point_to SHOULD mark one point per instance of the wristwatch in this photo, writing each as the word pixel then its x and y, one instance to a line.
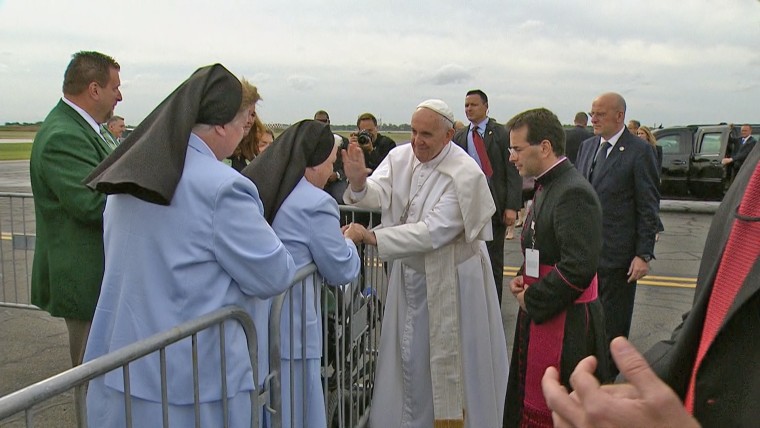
pixel 646 257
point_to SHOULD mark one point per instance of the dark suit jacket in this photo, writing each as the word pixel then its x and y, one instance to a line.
pixel 382 146
pixel 743 151
pixel 506 183
pixel 728 381
pixel 68 258
pixel 658 150
pixel 627 186
pixel 573 139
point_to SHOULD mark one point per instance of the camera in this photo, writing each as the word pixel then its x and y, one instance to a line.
pixel 364 137
pixel 344 144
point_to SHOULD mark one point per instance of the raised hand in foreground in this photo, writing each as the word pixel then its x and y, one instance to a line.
pixel 646 401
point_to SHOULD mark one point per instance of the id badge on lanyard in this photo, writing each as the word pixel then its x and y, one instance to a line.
pixel 531 254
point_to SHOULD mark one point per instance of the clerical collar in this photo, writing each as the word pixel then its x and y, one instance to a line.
pixel 559 161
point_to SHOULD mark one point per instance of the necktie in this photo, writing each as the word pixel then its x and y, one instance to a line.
pixel 480 148
pixel 107 138
pixel 599 158
pixel 742 251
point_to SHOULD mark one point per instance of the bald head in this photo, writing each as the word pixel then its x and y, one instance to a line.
pixel 608 114
pixel 614 99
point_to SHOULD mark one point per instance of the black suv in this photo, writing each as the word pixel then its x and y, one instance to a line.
pixel 691 159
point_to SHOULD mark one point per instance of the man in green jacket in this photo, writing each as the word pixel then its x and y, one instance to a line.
pixel 68 258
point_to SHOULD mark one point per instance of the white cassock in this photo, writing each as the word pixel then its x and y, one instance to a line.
pixel 428 207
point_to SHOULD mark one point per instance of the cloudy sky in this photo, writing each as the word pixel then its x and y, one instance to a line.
pixel 675 61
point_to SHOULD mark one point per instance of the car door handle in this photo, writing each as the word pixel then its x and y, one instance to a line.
pixel 678 162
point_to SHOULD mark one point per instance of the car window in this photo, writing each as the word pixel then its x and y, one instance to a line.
pixel 669 143
pixel 710 143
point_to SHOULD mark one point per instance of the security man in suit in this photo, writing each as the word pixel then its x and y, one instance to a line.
pixel 622 168
pixel 742 149
pixel 488 143
pixel 576 135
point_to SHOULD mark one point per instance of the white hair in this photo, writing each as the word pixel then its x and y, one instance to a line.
pixel 445 122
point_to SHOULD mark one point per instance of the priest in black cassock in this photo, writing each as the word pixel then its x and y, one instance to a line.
pixel 560 319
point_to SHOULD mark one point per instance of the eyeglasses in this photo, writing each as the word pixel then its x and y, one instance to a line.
pixel 514 150
pixel 517 150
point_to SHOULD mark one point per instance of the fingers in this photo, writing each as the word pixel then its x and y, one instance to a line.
pixel 633 366
pixel 566 412
pixel 621 390
pixel 638 269
pixel 516 286
pixel 357 233
pixel 583 380
pixel 631 268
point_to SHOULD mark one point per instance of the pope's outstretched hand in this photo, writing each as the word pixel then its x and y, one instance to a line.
pixel 354 167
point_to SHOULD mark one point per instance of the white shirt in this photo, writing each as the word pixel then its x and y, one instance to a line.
pixel 613 140
pixel 86 116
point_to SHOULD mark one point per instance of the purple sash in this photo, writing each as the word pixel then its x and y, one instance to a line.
pixel 544 350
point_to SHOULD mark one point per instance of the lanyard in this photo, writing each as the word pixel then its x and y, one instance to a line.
pixel 533 213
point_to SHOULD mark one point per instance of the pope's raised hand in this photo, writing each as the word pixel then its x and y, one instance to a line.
pixel 354 167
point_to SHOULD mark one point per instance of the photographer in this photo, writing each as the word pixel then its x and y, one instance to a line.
pixel 375 145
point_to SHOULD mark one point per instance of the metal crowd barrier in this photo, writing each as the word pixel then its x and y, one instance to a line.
pixel 351 316
pixel 17 237
pixel 76 378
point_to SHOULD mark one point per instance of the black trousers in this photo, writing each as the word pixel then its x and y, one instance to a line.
pixel 617 296
pixel 496 253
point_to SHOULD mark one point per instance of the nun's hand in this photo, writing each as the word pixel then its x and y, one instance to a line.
pixel 355 232
pixel 354 167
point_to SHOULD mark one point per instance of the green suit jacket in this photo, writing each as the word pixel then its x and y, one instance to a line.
pixel 68 257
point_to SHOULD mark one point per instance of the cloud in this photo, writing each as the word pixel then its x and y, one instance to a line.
pixel 449 74
pixel 302 82
pixel 675 62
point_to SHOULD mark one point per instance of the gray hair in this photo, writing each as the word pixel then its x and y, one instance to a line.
pixel 114 118
pixel 445 122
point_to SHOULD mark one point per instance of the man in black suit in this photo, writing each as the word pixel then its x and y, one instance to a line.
pixel 723 391
pixel 503 179
pixel 741 150
pixel 576 135
pixel 622 168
